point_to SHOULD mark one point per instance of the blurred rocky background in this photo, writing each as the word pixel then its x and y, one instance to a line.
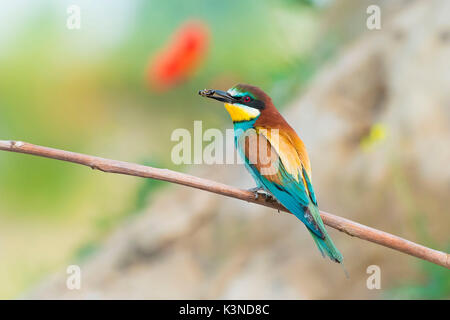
pixel 373 107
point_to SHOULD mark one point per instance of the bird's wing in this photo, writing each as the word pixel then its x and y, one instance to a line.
pixel 293 155
pixel 275 162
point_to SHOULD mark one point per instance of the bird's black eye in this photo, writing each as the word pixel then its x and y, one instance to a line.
pixel 247 99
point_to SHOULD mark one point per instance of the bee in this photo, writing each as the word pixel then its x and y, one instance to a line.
pixel 206 92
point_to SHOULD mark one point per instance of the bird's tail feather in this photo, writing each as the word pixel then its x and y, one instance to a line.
pixel 327 247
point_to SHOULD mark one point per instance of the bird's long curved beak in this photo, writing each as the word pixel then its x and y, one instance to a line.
pixel 218 95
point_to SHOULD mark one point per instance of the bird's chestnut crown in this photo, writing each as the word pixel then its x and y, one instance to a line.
pixel 246 95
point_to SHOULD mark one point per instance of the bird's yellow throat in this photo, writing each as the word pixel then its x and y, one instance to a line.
pixel 239 112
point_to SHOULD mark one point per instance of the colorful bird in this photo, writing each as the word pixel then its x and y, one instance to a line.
pixel 275 156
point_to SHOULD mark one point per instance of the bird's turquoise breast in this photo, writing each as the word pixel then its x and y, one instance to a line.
pixel 241 129
pixel 243 126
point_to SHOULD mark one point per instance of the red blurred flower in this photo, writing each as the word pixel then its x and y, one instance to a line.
pixel 178 60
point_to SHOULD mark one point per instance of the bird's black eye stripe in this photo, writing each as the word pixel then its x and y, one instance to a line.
pixel 249 101
pixel 257 104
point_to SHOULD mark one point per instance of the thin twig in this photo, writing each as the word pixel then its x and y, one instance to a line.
pixel 113 166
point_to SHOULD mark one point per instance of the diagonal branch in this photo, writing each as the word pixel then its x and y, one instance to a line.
pixel 113 166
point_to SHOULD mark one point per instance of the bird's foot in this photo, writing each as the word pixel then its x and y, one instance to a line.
pixel 257 191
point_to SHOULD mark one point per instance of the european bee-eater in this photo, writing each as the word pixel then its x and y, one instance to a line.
pixel 275 156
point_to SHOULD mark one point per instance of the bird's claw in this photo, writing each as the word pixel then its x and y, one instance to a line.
pixel 257 191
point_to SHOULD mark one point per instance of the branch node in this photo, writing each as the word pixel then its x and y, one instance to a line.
pixel 16 144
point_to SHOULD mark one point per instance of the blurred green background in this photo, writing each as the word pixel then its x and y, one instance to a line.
pixel 86 91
